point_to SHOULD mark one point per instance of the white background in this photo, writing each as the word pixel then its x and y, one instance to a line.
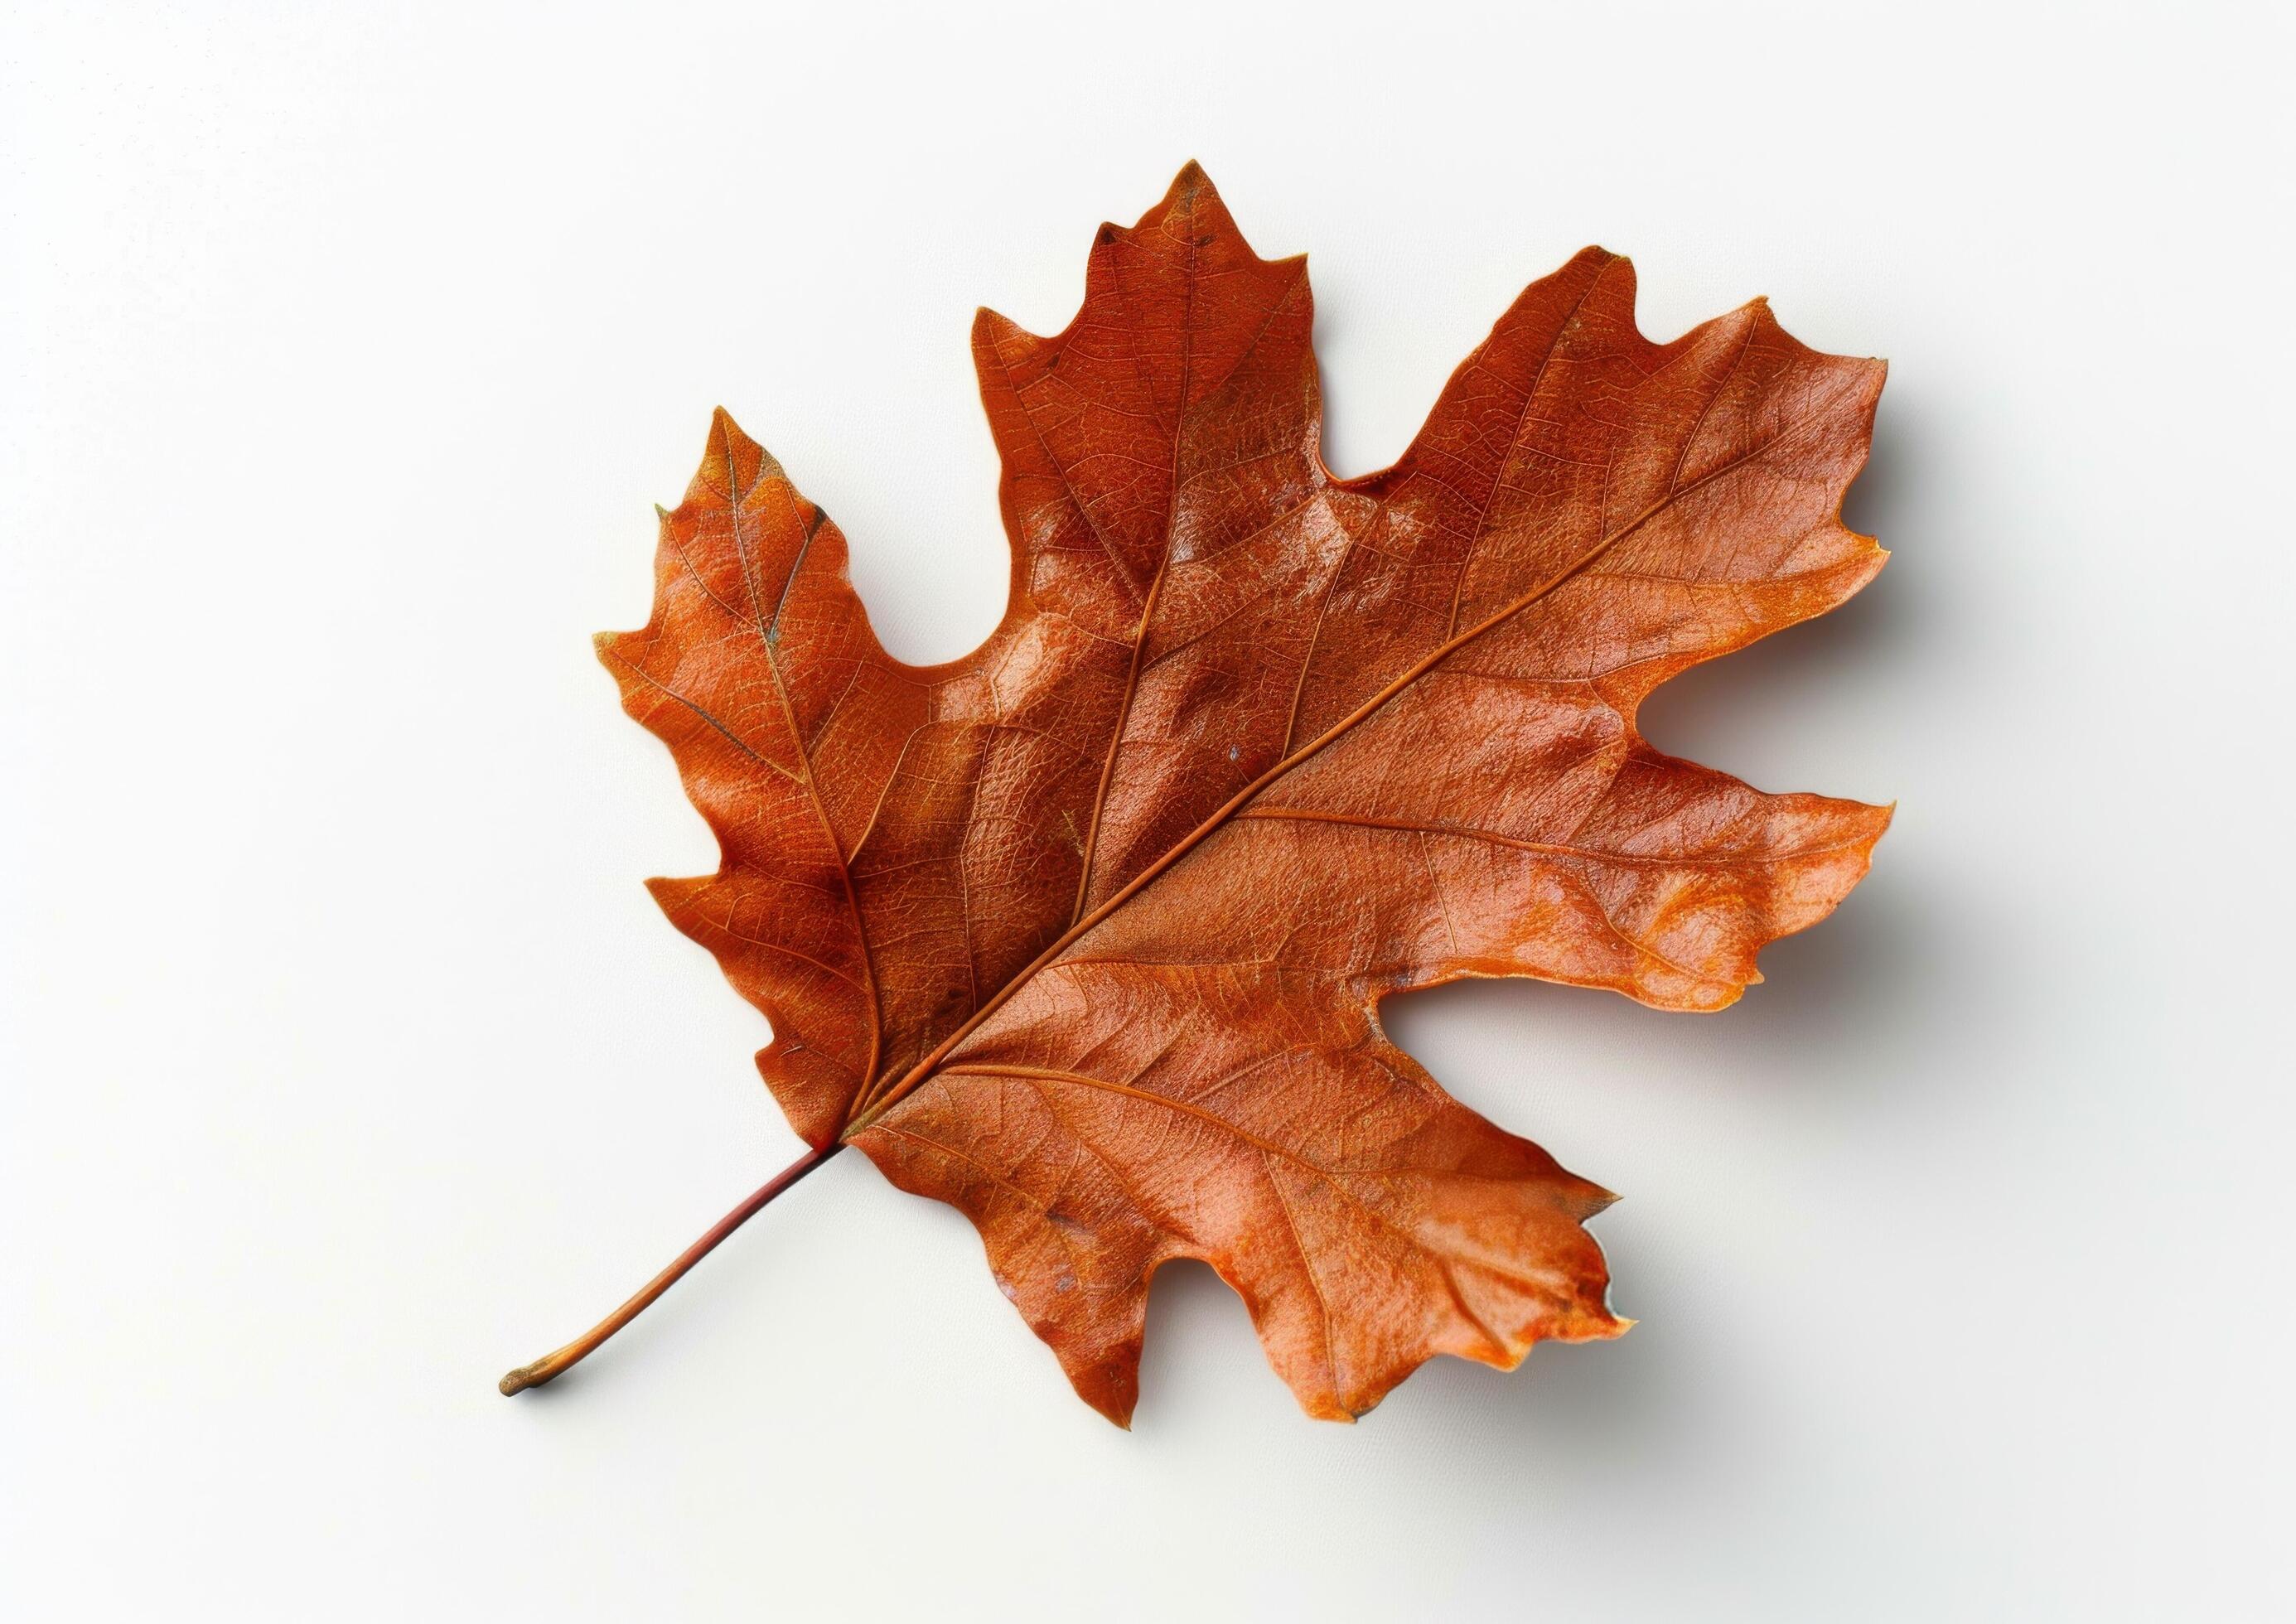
pixel 347 1063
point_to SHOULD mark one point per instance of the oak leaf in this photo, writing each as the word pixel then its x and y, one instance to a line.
pixel 1086 933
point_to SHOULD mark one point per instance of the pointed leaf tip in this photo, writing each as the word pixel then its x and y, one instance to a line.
pixel 1191 192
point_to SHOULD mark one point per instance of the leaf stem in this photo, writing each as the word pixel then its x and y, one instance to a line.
pixel 552 1366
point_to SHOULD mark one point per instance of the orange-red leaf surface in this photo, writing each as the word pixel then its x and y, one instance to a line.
pixel 1086 933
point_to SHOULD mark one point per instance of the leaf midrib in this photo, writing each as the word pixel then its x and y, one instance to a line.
pixel 932 1061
